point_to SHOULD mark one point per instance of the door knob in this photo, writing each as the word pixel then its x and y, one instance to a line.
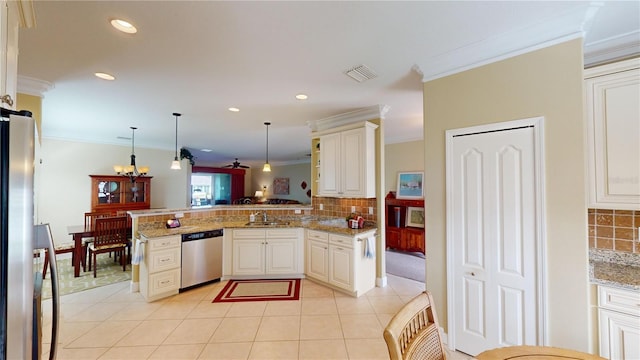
pixel 6 99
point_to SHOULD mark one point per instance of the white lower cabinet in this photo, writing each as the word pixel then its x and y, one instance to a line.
pixel 339 261
pixel 275 252
pixel 160 268
pixel 619 323
pixel 317 255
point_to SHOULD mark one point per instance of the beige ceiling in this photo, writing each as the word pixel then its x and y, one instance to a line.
pixel 201 57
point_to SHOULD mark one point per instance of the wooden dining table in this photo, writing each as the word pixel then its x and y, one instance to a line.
pixel 78 232
pixel 535 353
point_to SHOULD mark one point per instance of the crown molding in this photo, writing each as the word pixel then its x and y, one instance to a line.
pixel 618 66
pixel 27 14
pixel 364 114
pixel 32 86
pixel 613 48
pixel 547 32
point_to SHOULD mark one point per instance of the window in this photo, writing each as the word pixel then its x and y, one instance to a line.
pixel 210 189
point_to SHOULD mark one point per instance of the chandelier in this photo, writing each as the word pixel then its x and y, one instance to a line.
pixel 131 171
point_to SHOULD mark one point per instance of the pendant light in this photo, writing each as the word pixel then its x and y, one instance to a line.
pixel 131 171
pixel 175 164
pixel 267 167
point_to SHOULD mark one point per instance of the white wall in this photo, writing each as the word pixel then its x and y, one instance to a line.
pixel 64 187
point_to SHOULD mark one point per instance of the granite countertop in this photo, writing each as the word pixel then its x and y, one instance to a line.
pixel 337 227
pixel 614 268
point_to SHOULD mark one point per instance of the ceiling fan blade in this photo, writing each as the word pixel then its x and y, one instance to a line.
pixel 243 166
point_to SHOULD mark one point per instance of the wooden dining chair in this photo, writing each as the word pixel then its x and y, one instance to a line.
pixel 59 248
pixel 110 235
pixel 414 333
pixel 129 232
pixel 90 223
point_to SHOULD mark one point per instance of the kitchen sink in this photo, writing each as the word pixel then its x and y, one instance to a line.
pixel 267 223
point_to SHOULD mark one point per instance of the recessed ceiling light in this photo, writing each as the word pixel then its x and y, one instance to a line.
pixel 206 150
pixel 105 76
pixel 124 26
pixel 234 109
pixel 301 97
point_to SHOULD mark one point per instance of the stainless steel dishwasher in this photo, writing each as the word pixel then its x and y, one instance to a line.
pixel 201 258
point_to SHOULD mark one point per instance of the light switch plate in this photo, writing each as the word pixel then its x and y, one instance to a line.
pixel 179 215
pixel 321 206
pixel 370 210
pixel 298 211
pixel 353 209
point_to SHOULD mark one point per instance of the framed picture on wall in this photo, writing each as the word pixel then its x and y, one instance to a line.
pixel 415 216
pixel 410 185
pixel 281 186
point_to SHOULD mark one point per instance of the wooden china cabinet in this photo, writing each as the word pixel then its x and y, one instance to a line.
pixel 399 236
pixel 113 193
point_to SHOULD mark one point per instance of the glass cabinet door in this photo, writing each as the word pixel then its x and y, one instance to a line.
pixel 108 192
pixel 134 192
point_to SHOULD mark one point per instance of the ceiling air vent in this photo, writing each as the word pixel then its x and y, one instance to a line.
pixel 361 73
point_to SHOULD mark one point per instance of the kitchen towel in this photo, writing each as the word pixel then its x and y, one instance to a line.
pixel 138 253
pixel 369 247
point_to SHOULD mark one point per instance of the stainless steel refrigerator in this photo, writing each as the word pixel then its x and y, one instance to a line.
pixel 20 278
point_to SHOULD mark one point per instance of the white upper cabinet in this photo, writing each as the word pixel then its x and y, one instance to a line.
pixel 612 100
pixel 347 163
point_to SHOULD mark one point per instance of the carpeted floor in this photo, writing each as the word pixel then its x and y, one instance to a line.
pixel 108 273
pixel 406 265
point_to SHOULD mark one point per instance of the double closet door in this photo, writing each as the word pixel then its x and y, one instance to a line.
pixel 493 238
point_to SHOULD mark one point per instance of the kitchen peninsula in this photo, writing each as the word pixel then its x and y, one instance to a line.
pixel 276 248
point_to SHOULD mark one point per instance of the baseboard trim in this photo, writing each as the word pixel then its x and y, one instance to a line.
pixel 381 281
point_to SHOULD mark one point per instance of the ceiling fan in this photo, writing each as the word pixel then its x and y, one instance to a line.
pixel 236 164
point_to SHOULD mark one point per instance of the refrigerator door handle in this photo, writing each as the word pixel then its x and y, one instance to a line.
pixel 44 239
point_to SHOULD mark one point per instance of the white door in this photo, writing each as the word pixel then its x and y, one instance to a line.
pixel 492 234
pixel 9 24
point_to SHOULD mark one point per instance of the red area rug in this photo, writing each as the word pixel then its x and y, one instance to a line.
pixel 259 290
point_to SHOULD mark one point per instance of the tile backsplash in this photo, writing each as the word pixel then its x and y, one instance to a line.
pixel 341 207
pixel 614 230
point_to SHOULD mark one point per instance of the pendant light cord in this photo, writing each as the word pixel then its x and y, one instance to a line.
pixel 176 136
pixel 133 140
pixel 267 124
pixel 133 146
pixel 177 115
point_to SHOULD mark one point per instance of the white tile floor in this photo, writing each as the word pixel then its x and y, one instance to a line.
pixel 112 323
